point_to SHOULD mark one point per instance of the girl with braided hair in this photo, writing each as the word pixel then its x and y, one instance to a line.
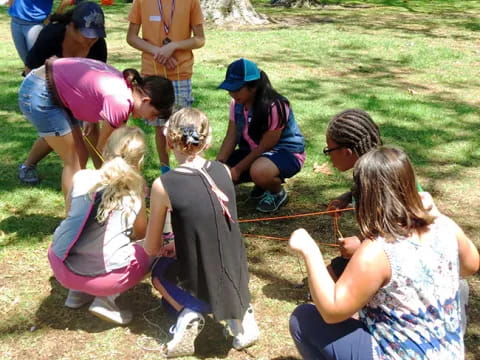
pixel 53 96
pixel 92 254
pixel 350 134
pixel 204 270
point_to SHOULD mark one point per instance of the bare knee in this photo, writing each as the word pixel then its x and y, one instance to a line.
pixel 264 173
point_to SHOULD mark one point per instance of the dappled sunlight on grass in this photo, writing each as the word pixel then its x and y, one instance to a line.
pixel 413 65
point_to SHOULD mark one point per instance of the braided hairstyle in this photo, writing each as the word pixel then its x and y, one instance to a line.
pixel 157 88
pixel 189 130
pixel 354 129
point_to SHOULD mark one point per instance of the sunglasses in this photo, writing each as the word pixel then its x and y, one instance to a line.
pixel 327 151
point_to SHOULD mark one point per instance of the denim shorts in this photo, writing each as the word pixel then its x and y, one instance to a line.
pixel 37 105
pixel 183 99
pixel 285 161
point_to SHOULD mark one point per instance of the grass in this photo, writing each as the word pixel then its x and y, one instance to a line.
pixel 411 64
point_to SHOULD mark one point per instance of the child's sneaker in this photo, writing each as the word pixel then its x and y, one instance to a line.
pixel 105 308
pixel 76 299
pixel 257 193
pixel 28 174
pixel 272 202
pixel 246 332
pixel 189 325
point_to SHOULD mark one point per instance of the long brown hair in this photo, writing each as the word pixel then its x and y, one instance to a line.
pixel 387 200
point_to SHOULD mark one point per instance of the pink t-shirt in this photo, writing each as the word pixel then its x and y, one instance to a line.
pixel 273 122
pixel 93 90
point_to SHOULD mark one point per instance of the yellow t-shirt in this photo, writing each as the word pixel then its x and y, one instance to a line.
pixel 186 14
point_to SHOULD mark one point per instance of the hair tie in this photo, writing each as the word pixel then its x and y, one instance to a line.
pixel 190 135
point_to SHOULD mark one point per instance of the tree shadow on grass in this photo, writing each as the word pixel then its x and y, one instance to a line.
pixel 150 320
pixel 27 228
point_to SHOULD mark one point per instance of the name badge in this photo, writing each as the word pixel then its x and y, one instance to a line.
pixel 155 18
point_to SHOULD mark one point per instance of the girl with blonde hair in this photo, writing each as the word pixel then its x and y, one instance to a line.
pixel 92 253
pixel 205 269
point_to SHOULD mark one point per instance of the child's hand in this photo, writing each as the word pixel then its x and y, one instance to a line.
pixel 171 63
pixel 301 241
pixel 89 128
pixel 335 205
pixel 341 202
pixel 168 250
pixel 163 53
pixel 348 246
pixel 428 203
pixel 235 175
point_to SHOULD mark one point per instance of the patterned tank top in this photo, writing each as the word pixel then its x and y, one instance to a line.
pixel 417 314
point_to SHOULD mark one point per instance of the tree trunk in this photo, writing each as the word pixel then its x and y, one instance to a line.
pixel 232 11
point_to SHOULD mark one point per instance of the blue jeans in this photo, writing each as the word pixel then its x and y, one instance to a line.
pixel 315 339
pixel 184 298
pixel 24 34
pixel 36 105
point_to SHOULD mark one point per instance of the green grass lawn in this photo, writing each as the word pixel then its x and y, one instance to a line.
pixel 413 65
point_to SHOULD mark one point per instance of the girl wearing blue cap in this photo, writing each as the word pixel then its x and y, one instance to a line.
pixel 263 143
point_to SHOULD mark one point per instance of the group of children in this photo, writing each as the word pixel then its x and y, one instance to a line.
pixel 405 311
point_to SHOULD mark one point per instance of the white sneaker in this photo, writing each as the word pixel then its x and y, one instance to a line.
pixel 189 325
pixel 77 299
pixel 245 333
pixel 105 308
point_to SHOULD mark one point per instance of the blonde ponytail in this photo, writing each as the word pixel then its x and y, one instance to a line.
pixel 120 179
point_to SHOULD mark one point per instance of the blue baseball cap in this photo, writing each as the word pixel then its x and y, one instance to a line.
pixel 239 72
pixel 89 19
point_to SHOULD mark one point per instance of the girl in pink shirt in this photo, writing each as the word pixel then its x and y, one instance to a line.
pixel 53 96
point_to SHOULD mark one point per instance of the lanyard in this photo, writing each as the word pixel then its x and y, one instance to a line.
pixel 160 9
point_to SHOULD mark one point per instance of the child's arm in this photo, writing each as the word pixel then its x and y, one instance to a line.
pixel 365 274
pixel 159 204
pixel 63 5
pixel 137 42
pixel 105 131
pixel 140 224
pixel 229 142
pixel 468 255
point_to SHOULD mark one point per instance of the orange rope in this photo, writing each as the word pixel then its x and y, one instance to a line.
pixel 280 238
pixel 337 234
pixel 295 216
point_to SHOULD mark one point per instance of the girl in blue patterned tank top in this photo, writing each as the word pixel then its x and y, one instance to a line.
pixel 403 280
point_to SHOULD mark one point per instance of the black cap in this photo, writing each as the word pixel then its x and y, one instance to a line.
pixel 89 19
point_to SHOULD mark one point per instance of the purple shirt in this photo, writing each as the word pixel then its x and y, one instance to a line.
pixel 93 90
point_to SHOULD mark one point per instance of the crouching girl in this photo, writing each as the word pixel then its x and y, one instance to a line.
pixel 92 254
pixel 205 269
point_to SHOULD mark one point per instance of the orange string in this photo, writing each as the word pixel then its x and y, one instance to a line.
pixel 337 234
pixel 280 238
pixel 295 216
